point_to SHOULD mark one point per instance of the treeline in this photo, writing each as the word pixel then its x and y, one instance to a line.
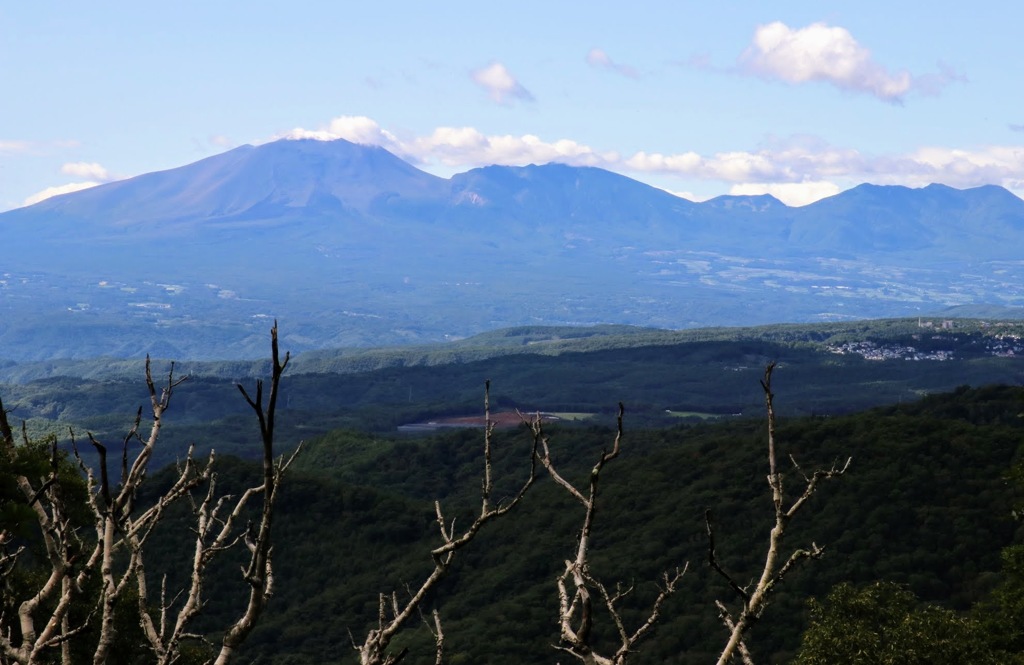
pixel 524 340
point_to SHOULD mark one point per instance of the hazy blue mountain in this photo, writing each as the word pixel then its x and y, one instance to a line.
pixel 267 182
pixel 899 219
pixel 350 245
pixel 564 195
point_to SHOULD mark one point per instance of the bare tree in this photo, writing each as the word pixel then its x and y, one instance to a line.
pixel 393 614
pixel 28 642
pixel 576 610
pixel 259 573
pixel 116 554
pixel 754 601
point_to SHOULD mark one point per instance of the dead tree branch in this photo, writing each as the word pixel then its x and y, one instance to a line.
pixel 374 650
pixel 49 605
pixel 259 573
pixel 576 611
pixel 116 554
pixel 755 601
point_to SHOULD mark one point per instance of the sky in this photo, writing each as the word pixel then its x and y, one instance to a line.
pixel 797 99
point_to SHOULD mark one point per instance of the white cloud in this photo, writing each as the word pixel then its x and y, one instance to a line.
pixel 357 129
pixel 599 59
pixel 95 174
pixel 354 128
pixel 457 146
pixel 688 163
pixel 737 166
pixel 793 161
pixel 499 83
pixel 805 172
pixel 790 193
pixel 956 167
pixel 826 53
pixel 90 170
pixel 59 189
pixel 797 170
pixel 689 196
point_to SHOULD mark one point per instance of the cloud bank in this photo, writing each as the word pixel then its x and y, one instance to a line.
pixel 458 146
pixel 798 170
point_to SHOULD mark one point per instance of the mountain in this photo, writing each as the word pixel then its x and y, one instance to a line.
pixel 350 245
pixel 268 182
pixel 936 218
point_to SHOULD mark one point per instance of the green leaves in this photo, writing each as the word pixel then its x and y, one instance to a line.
pixel 884 624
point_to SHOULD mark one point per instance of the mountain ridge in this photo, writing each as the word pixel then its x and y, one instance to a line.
pixel 352 172
pixel 351 245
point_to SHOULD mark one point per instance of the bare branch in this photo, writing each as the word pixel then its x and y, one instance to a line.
pixel 772 574
pixel 713 561
pixel 259 571
pixel 741 646
pixel 373 651
pixel 438 634
pixel 116 553
pixel 576 613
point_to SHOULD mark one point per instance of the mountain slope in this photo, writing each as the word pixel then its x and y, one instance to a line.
pixel 350 245
pixel 895 219
pixel 261 182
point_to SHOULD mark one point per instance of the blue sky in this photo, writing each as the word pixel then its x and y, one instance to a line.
pixel 796 99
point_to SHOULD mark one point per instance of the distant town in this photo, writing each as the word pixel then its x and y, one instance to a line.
pixel 939 345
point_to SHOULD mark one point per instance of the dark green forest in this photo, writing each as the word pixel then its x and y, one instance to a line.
pixel 927 505
pixel 920 532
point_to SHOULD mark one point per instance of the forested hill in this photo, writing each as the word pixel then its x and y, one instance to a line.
pixel 978 324
pixel 924 504
pixel 661 376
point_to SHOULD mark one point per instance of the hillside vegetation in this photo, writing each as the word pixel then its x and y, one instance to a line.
pixel 978 323
pixel 660 375
pixel 925 505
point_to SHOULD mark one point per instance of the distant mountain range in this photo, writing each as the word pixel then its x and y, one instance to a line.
pixel 350 245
